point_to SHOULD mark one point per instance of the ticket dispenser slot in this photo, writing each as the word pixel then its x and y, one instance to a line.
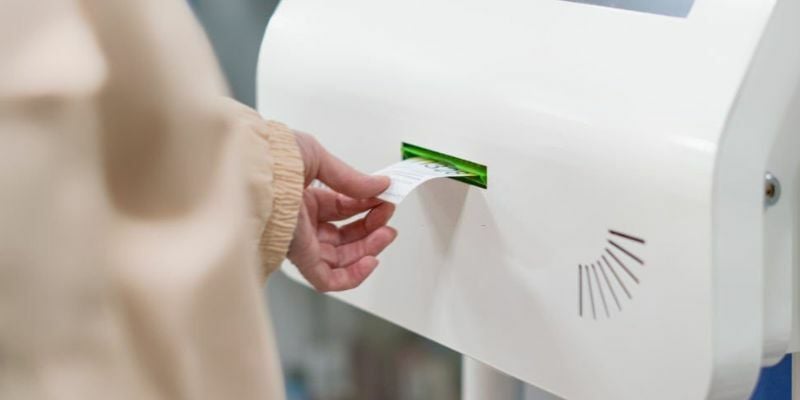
pixel 479 172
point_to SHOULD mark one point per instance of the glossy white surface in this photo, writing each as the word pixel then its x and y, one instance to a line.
pixel 589 119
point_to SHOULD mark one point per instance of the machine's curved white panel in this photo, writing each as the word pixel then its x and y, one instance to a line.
pixel 585 268
pixel 752 268
pixel 778 102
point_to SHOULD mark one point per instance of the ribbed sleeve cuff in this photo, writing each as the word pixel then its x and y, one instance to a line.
pixel 287 172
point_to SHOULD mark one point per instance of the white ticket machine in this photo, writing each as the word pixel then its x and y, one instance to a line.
pixel 637 233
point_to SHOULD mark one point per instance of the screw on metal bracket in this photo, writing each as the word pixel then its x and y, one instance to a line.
pixel 772 189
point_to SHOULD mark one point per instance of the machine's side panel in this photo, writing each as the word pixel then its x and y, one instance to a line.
pixel 739 221
pixel 782 238
pixel 781 243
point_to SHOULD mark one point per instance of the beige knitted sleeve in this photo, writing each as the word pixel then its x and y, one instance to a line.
pixel 287 185
pixel 275 179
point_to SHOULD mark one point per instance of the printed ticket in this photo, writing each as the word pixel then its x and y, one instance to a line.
pixel 409 174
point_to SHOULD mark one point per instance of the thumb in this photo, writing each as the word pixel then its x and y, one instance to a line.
pixel 347 180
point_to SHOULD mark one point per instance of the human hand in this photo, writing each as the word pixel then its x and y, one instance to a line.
pixel 329 257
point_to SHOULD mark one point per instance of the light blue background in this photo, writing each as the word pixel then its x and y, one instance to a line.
pixel 675 8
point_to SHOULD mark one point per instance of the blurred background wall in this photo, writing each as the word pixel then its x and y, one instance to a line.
pixel 235 28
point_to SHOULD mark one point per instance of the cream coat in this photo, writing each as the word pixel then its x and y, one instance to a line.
pixel 132 201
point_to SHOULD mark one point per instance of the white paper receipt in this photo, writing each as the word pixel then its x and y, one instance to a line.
pixel 409 174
